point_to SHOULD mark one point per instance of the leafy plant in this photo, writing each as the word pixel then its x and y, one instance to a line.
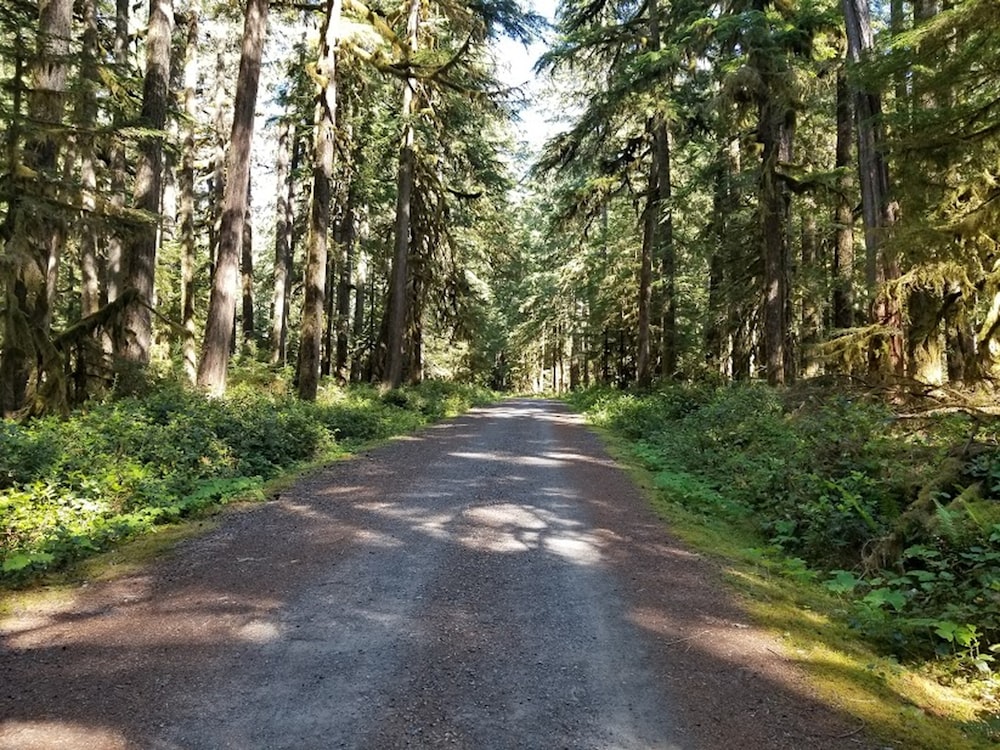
pixel 837 487
pixel 72 487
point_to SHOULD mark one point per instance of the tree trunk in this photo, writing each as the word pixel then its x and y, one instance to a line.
pixel 879 212
pixel 116 250
pixel 310 345
pixel 843 243
pixel 90 277
pixel 774 133
pixel 961 343
pixel 218 338
pixel 284 229
pixel 392 375
pixel 217 183
pixel 140 257
pixel 714 339
pixel 740 270
pixel 246 278
pixel 348 238
pixel 330 301
pixel 360 287
pixel 644 368
pixel 186 180
pixel 667 252
pixel 27 313
pixel 812 318
pixel 924 348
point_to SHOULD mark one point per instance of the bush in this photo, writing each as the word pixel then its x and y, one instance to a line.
pixel 839 482
pixel 71 487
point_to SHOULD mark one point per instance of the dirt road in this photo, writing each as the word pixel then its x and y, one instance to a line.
pixel 493 582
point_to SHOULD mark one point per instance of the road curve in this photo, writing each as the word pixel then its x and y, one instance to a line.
pixel 493 582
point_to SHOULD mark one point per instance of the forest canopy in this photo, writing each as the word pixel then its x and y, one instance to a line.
pixel 749 188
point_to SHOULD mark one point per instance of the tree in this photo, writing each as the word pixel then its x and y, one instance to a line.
pixel 392 377
pixel 288 152
pixel 878 209
pixel 319 208
pixel 218 336
pixel 31 245
pixel 140 256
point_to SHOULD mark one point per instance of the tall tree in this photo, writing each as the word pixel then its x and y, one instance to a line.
pixel 217 342
pixel 843 243
pixel 139 263
pixel 283 234
pixel 392 375
pixel 310 343
pixel 32 232
pixel 186 179
pixel 878 208
pixel 117 167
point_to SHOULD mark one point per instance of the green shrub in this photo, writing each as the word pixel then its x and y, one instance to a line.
pixel 119 467
pixel 839 483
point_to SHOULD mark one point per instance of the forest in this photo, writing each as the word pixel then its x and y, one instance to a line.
pixel 761 245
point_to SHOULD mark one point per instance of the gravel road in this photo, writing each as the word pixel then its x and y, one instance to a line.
pixel 491 582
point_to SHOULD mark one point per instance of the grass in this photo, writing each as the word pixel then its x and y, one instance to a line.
pixel 900 704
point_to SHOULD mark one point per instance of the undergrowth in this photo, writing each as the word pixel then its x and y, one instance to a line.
pixel 120 467
pixel 899 517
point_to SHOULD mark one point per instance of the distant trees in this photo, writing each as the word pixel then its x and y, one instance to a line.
pixel 792 128
pixel 128 170
pixel 699 214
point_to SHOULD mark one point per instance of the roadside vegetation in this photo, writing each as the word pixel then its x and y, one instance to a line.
pixel 122 467
pixel 864 528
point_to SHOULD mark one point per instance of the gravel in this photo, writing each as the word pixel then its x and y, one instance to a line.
pixel 492 582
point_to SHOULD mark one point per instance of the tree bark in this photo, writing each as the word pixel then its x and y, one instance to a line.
pixel 392 374
pixel 217 342
pixel 217 183
pixel 249 327
pixel 774 133
pixel 348 238
pixel 812 318
pixel 644 365
pixel 961 343
pixel 186 180
pixel 27 313
pixel 878 210
pixel 330 299
pixel 924 347
pixel 310 344
pixel 714 338
pixel 284 227
pixel 118 168
pixel 140 254
pixel 360 293
pixel 843 243
pixel 90 277
pixel 739 273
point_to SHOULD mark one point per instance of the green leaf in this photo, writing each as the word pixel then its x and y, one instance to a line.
pixel 883 596
pixel 843 582
pixel 21 560
pixel 16 562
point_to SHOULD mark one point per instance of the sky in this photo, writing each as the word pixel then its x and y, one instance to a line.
pixel 516 67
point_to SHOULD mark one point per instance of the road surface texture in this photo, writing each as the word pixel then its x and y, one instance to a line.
pixel 492 582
